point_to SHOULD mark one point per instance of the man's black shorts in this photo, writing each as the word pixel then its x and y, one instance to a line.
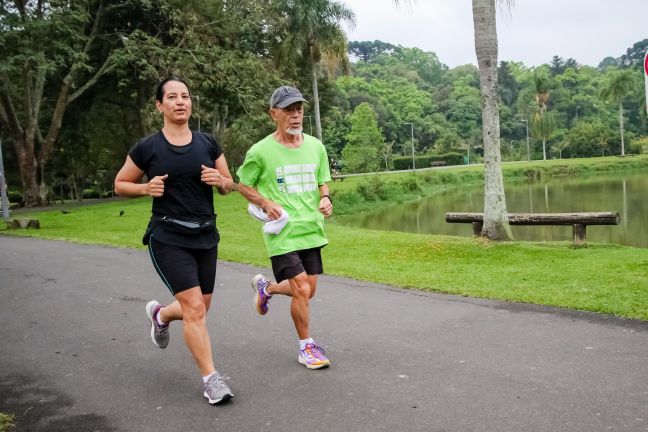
pixel 183 268
pixel 289 265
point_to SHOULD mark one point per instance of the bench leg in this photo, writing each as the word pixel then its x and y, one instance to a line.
pixel 477 228
pixel 579 234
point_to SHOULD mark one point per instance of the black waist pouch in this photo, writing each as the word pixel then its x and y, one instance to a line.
pixel 178 226
pixel 182 226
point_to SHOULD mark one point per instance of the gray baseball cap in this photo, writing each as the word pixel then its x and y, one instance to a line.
pixel 284 96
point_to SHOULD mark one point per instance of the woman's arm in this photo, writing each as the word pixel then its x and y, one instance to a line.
pixel 127 182
pixel 219 176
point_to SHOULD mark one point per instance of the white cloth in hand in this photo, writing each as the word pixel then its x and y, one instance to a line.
pixel 270 226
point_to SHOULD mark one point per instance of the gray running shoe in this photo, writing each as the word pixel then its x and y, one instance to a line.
pixel 159 334
pixel 216 391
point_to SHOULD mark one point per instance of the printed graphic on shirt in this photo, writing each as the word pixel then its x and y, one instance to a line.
pixel 296 178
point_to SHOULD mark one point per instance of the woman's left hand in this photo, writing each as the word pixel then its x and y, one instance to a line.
pixel 213 177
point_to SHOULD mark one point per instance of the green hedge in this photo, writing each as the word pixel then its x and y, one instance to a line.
pixel 15 196
pixel 404 162
pixel 89 193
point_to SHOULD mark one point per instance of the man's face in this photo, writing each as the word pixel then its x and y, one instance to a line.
pixel 289 119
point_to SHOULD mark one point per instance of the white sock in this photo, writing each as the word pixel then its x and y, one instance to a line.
pixel 265 291
pixel 158 319
pixel 304 342
pixel 206 378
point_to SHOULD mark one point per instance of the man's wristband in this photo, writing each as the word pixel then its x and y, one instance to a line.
pixel 327 196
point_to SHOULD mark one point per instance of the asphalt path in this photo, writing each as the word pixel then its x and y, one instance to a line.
pixel 76 356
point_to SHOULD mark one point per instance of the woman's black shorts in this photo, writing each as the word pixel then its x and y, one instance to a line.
pixel 183 268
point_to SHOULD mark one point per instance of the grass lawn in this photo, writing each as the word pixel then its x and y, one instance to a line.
pixel 602 278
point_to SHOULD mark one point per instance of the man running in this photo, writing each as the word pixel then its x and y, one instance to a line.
pixel 287 172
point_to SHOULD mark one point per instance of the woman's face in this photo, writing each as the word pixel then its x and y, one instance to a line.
pixel 176 103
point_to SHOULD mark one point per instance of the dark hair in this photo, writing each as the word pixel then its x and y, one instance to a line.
pixel 159 92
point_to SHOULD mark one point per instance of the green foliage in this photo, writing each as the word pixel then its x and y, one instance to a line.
pixel 233 54
pixel 618 84
pixel 639 145
pixel 411 184
pixel 587 139
pixel 365 141
pixel 404 162
pixel 15 196
pixel 6 422
pixel 369 50
pixel 90 193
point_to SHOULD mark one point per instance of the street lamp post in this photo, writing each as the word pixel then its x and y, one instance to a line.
pixel 412 138
pixel 526 123
pixel 198 110
pixel 310 124
pixel 3 189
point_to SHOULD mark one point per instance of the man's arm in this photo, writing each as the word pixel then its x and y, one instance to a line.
pixel 271 208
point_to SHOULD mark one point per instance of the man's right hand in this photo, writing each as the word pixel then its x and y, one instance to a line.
pixel 272 209
pixel 155 187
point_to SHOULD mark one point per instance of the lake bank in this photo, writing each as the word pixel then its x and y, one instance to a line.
pixel 600 278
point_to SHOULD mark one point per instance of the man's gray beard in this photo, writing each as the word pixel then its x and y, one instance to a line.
pixel 294 132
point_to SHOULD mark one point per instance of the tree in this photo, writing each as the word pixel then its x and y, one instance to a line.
pixel 314 31
pixel 586 139
pixel 542 122
pixel 634 56
pixel 365 142
pixel 53 53
pixel 616 86
pixel 496 226
pixel 367 50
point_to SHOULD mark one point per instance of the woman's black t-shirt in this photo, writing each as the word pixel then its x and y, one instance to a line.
pixel 185 196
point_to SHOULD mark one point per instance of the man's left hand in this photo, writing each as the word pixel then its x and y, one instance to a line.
pixel 326 206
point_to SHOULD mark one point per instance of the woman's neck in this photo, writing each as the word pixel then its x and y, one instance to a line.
pixel 177 134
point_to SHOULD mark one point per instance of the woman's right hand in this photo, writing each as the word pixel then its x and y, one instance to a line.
pixel 155 187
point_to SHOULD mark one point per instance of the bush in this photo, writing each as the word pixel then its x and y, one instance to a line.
pixel 15 196
pixel 89 193
pixel 372 189
pixel 411 184
pixel 639 145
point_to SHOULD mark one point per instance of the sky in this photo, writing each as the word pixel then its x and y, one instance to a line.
pixel 533 31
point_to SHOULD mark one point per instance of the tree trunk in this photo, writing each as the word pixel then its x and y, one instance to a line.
pixel 316 108
pixel 496 225
pixel 621 127
pixel 544 148
pixel 28 170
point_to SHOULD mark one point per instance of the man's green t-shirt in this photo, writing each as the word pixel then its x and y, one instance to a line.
pixel 290 177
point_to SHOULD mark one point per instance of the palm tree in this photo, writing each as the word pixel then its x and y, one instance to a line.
pixel 542 123
pixel 616 86
pixel 495 226
pixel 314 32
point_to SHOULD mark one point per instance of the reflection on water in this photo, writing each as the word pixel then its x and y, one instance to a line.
pixel 625 194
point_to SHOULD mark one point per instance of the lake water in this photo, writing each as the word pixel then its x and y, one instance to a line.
pixel 624 193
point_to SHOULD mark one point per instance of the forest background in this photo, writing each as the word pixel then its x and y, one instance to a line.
pixel 77 82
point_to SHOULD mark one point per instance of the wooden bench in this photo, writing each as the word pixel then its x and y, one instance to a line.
pixel 579 221
pixel 337 177
pixel 437 163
